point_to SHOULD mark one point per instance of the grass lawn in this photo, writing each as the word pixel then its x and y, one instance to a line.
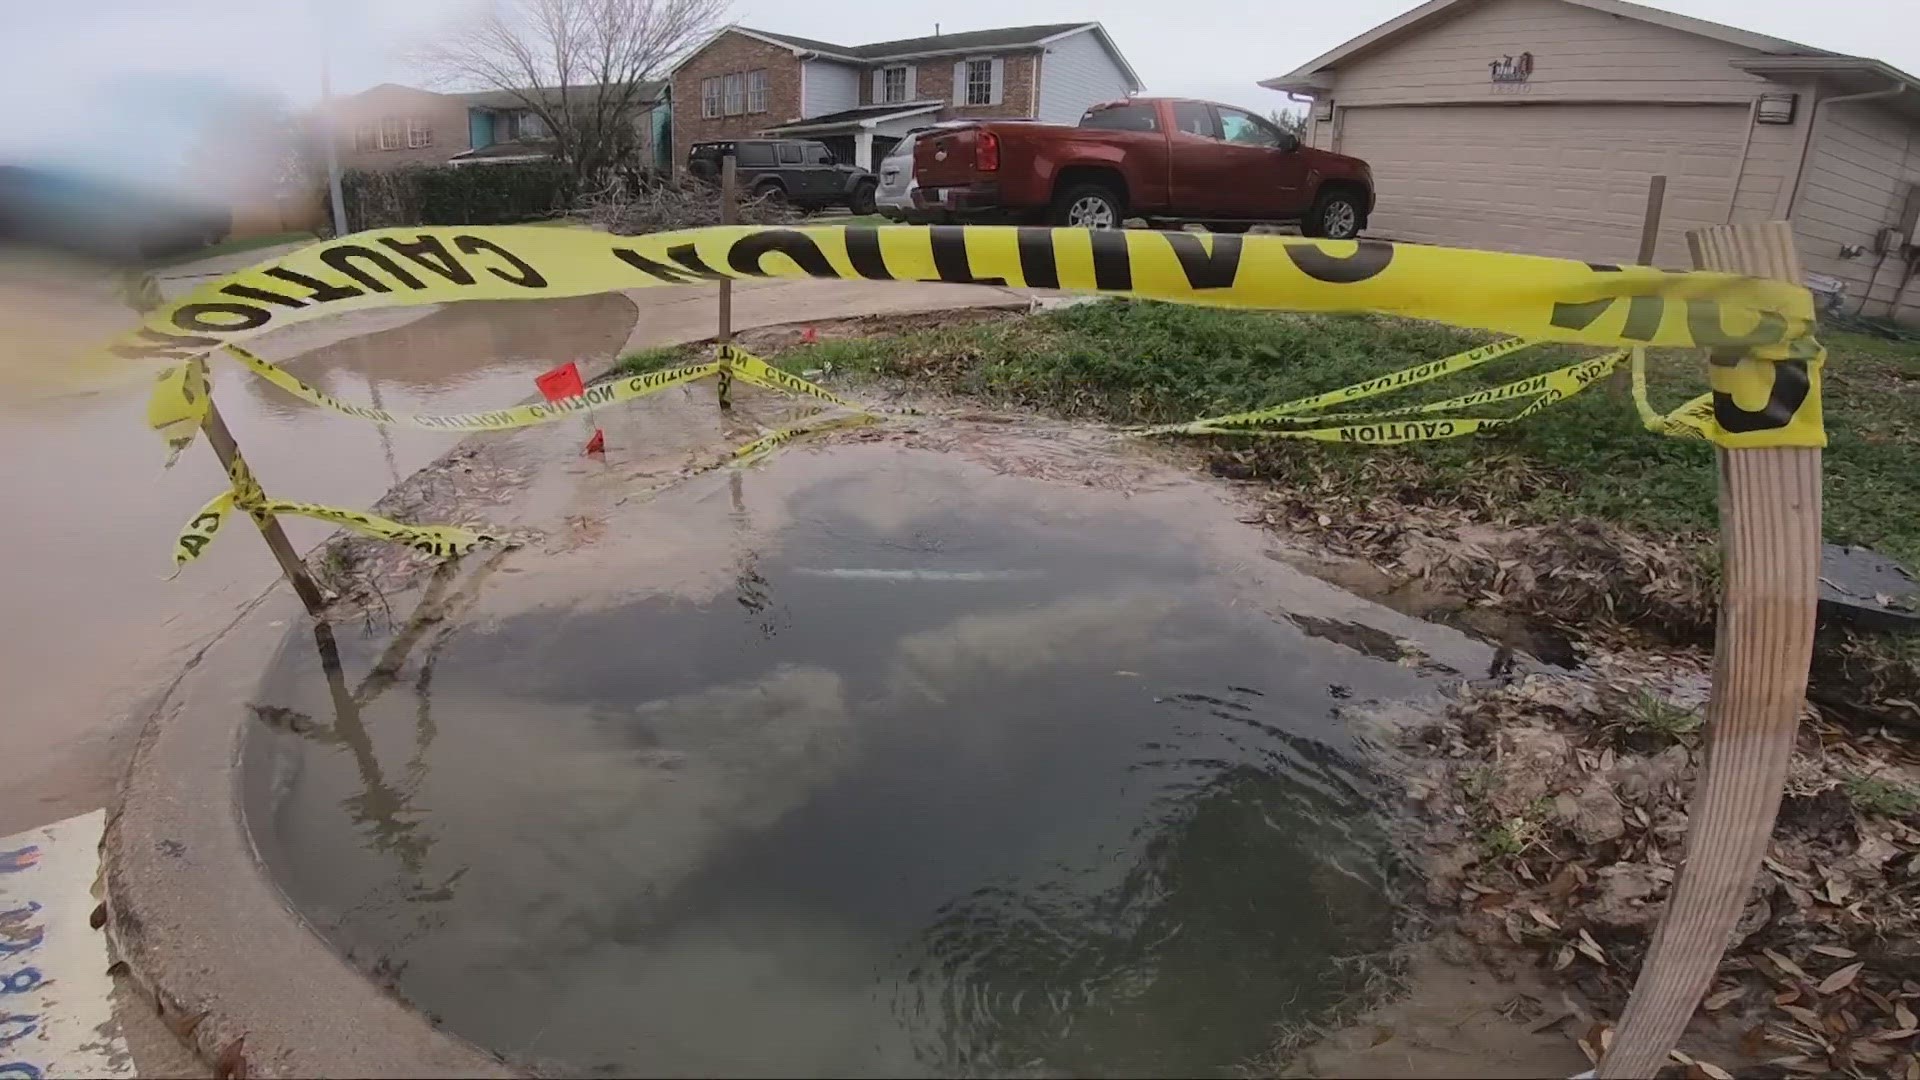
pixel 1143 362
pixel 232 246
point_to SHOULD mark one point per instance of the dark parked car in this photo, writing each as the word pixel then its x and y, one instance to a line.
pixel 801 171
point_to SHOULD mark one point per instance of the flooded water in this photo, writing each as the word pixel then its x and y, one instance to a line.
pixel 93 626
pixel 867 762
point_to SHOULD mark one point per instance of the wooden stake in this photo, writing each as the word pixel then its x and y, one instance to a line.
pixel 1650 225
pixel 1619 384
pixel 228 452
pixel 1770 549
pixel 729 215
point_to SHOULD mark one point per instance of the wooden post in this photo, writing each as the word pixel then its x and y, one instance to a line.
pixel 228 452
pixel 729 215
pixel 1770 548
pixel 1618 384
pixel 1650 225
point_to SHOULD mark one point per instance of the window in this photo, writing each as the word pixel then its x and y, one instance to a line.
pixel 789 153
pixel 757 91
pixel 754 155
pixel 527 125
pixel 736 93
pixel 1139 117
pixel 1246 129
pixel 818 154
pixel 979 82
pixel 366 137
pixel 1194 118
pixel 418 134
pixel 893 85
pixel 709 98
pixel 390 133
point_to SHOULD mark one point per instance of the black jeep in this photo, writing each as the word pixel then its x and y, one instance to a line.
pixel 801 171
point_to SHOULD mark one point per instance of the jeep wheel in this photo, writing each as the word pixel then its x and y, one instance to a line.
pixel 861 202
pixel 770 190
pixel 1336 216
pixel 1088 206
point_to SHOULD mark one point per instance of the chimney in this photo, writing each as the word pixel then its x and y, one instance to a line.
pixel 936 29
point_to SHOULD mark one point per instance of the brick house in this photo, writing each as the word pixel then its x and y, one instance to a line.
pixel 861 99
pixel 393 125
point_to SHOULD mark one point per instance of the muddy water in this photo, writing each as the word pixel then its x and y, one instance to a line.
pixel 92 628
pixel 868 762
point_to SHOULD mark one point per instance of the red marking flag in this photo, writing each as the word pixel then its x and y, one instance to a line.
pixel 561 383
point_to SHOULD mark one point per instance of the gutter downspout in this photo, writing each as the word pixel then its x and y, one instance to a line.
pixel 1309 102
pixel 1813 121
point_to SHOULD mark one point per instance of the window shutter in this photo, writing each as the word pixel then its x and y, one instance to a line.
pixel 960 82
pixel 912 70
pixel 879 86
pixel 999 79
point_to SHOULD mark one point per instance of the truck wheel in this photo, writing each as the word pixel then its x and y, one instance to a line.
pixel 1088 206
pixel 1336 216
pixel 771 190
pixel 1229 227
pixel 861 202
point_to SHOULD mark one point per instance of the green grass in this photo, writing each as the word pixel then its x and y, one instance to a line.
pixel 1141 362
pixel 233 246
pixel 1878 795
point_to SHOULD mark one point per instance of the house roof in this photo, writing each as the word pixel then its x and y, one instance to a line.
pixel 1311 76
pixel 967 41
pixel 864 116
pixel 511 99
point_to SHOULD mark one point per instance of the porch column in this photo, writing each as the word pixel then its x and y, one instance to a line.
pixel 863 148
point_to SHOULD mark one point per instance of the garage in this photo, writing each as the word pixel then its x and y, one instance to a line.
pixel 1568 180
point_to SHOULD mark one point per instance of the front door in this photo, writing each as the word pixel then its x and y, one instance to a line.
pixel 1265 177
pixel 1199 175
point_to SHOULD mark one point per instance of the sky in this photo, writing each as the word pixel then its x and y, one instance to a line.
pixel 130 80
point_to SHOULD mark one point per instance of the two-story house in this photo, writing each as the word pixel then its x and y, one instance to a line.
pixel 861 99
pixel 392 125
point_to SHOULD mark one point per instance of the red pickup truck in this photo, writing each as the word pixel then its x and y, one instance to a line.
pixel 1168 160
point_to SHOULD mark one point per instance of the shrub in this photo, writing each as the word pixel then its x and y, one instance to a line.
pixel 494 194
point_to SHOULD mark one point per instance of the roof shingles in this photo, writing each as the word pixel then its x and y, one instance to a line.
pixel 1007 37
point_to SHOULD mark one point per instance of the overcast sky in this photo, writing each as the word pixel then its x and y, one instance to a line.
pixel 124 81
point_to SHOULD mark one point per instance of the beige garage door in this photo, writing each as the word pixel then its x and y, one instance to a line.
pixel 1568 180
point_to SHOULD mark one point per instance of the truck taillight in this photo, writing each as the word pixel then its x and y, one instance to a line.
pixel 986 152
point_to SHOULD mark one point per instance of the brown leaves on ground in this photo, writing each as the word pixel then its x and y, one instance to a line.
pixel 1557 820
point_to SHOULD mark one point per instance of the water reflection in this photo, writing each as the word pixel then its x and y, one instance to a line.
pixel 1005 792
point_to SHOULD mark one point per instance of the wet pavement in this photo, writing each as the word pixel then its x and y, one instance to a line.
pixel 898 757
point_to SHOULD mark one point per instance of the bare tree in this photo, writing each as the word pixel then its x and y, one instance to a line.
pixel 579 65
pixel 1293 123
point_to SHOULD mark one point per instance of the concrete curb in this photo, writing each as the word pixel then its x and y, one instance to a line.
pixel 206 935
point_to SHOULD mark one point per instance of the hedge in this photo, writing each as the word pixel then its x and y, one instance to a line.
pixel 479 194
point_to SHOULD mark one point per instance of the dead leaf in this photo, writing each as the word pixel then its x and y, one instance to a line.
pixel 1896 1036
pixel 1807 1017
pixel 1716 1002
pixel 1543 918
pixel 232 1062
pixel 1835 951
pixel 1707 1070
pixel 1841 979
pixel 1903 1015
pixel 1591 948
pixel 1787 997
pixel 1562 958
pixel 1786 965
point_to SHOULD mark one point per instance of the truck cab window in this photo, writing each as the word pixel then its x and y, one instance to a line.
pixel 1247 129
pixel 1139 117
pixel 1195 118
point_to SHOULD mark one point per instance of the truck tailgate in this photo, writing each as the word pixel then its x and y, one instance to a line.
pixel 946 158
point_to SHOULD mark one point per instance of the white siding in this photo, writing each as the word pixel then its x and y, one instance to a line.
pixel 1859 167
pixel 1077 72
pixel 830 87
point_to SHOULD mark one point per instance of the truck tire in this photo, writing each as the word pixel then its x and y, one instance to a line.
pixel 1336 216
pixel 861 201
pixel 770 190
pixel 1089 205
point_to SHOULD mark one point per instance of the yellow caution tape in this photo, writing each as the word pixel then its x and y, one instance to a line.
pixel 1385 427
pixel 1530 296
pixel 1689 421
pixel 773 440
pixel 178 404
